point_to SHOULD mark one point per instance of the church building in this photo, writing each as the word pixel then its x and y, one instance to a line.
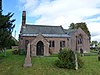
pixel 46 38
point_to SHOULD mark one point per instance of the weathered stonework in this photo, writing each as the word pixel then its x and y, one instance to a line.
pixel 28 58
pixel 39 37
pixel 85 41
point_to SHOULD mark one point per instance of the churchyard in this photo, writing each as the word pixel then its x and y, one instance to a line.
pixel 13 65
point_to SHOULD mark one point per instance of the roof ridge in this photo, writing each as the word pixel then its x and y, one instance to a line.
pixel 42 25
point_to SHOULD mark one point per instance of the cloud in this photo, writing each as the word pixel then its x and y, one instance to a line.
pixel 64 12
pixel 94 28
pixel 95 34
pixel 97 38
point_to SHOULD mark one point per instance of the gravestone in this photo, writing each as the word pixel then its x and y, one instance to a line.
pixel 99 55
pixel 28 58
pixel 5 52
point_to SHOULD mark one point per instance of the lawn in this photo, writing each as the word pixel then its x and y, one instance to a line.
pixel 12 65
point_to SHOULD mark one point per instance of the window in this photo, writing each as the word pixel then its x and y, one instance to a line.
pixel 26 43
pixel 21 38
pixel 62 43
pixel 68 42
pixel 51 44
pixel 80 39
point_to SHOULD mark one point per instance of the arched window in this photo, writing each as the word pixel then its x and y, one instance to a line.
pixel 80 39
pixel 62 44
pixel 26 43
pixel 51 44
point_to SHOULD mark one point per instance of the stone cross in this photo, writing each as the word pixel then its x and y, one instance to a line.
pixel 28 58
pixel 76 62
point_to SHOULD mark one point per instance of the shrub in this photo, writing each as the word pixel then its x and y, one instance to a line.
pixel 67 59
pixel 80 62
pixel 22 52
pixel 60 64
pixel 15 52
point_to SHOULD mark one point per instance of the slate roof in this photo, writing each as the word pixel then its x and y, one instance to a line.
pixel 43 29
pixel 70 31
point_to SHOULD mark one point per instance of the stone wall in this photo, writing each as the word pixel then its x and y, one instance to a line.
pixel 34 40
pixel 69 42
pixel 85 41
pixel 14 47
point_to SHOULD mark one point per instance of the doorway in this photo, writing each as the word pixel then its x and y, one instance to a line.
pixel 40 49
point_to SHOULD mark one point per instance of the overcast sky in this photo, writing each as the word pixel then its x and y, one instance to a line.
pixel 57 12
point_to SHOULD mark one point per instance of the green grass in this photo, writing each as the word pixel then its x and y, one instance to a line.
pixel 12 65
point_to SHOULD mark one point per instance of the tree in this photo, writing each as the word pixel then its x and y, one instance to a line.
pixel 72 26
pixel 83 26
pixel 94 43
pixel 12 42
pixel 6 29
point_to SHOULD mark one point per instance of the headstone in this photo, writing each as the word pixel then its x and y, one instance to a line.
pixel 5 52
pixel 28 58
pixel 99 55
pixel 81 52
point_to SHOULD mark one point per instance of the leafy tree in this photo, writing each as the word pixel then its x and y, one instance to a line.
pixel 72 26
pixel 12 42
pixel 81 25
pixel 6 29
pixel 94 43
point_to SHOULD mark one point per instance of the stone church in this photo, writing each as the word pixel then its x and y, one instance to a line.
pixel 43 38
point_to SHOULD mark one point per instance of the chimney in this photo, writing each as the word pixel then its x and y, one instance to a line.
pixel 23 18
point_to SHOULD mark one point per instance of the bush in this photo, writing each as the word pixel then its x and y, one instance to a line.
pixel 67 59
pixel 22 52
pixel 80 62
pixel 15 52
